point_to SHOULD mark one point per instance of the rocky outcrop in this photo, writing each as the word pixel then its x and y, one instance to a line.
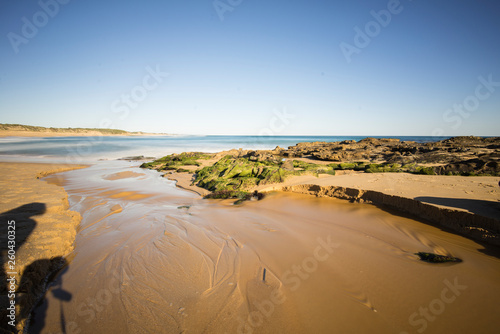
pixel 454 156
pixel 242 170
pixel 235 172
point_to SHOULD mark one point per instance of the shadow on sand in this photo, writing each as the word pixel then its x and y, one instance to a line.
pixel 489 209
pixel 484 247
pixel 19 225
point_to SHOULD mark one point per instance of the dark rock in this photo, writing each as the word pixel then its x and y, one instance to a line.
pixel 436 258
pixel 454 154
pixel 257 195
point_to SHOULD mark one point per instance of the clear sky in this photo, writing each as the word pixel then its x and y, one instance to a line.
pixel 253 66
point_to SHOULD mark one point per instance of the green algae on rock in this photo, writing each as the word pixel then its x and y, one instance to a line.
pixel 230 173
pixel 177 160
pixel 436 258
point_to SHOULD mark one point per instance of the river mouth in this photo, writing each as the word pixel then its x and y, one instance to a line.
pixel 151 258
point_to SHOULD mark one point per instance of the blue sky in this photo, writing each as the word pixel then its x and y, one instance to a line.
pixel 253 66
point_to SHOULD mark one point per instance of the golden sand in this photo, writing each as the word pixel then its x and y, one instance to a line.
pixel 45 228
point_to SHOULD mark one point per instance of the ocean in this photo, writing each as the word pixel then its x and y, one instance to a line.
pixel 92 149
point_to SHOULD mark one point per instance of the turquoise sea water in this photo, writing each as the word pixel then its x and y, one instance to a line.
pixel 89 149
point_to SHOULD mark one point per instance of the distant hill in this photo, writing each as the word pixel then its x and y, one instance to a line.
pixel 20 129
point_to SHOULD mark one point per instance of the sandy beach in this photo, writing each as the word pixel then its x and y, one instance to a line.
pixel 146 250
pixel 208 266
pixel 45 230
pixel 13 133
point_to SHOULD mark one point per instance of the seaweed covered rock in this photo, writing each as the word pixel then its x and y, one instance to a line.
pixel 436 258
pixel 231 173
pixel 175 161
pixel 236 194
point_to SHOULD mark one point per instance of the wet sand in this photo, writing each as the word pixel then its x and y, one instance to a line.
pixel 123 175
pixel 475 194
pixel 151 258
pixel 185 181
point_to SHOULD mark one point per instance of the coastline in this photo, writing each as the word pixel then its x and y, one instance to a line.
pixel 10 133
pixel 45 230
